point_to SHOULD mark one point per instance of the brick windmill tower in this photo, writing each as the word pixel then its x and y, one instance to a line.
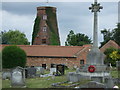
pixel 45 31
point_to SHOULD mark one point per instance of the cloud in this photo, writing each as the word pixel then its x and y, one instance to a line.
pixel 71 16
pixel 18 22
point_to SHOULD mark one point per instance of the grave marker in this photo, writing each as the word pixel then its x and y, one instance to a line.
pixel 18 77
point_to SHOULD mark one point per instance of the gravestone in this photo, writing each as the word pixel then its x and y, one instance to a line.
pixel 60 70
pixel 42 70
pixel 44 66
pixel 26 73
pixel 31 72
pixel 52 70
pixel 18 77
pixel 6 75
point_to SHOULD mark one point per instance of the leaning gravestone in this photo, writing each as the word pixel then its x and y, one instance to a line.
pixel 18 77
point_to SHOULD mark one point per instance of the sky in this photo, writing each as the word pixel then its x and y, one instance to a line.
pixel 70 16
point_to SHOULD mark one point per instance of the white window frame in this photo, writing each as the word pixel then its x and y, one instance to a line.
pixel 44 17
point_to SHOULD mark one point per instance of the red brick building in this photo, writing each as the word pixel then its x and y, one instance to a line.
pixel 71 56
pixel 46 55
pixel 109 44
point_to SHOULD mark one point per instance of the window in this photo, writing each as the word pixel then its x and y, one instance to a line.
pixel 43 41
pixel 44 17
pixel 44 29
pixel 82 61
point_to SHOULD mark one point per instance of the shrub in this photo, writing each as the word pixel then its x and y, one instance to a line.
pixel 13 56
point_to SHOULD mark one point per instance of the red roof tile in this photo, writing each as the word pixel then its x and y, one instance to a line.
pixel 109 44
pixel 51 51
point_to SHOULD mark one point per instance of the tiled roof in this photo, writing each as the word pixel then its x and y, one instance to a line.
pixel 51 51
pixel 109 44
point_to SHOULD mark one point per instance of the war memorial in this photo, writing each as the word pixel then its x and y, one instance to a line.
pixel 94 69
pixel 94 72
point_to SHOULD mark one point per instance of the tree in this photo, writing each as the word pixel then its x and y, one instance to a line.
pixel 13 56
pixel 112 55
pixel 107 35
pixel 77 39
pixel 14 38
pixel 114 34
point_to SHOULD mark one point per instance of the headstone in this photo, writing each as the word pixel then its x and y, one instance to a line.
pixel 44 66
pixel 41 70
pixel 52 70
pixel 26 73
pixel 60 69
pixel 109 82
pixel 93 84
pixel 31 72
pixel 18 77
pixel 6 75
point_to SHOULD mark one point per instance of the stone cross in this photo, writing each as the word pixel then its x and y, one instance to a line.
pixel 95 8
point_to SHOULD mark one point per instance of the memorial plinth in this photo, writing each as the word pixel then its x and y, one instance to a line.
pixel 95 69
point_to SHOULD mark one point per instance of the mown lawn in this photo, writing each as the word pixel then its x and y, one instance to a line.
pixel 46 82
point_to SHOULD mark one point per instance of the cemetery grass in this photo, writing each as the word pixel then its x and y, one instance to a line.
pixel 114 74
pixel 45 82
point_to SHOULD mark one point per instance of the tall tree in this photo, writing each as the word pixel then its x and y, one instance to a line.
pixel 107 35
pixel 77 39
pixel 114 34
pixel 14 37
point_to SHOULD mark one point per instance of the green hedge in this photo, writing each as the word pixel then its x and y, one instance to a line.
pixel 13 56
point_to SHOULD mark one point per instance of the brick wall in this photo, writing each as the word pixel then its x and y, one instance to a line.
pixel 38 61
